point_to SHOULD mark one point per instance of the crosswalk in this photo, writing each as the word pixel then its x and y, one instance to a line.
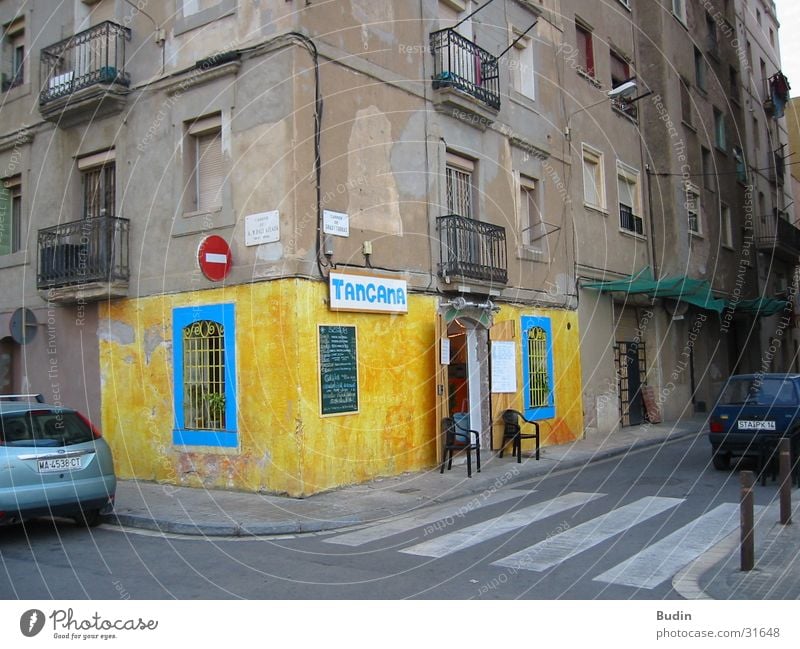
pixel 647 568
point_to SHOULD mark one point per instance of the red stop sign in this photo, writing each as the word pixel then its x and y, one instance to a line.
pixel 214 257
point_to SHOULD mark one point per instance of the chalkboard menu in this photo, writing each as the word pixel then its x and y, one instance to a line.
pixel 338 369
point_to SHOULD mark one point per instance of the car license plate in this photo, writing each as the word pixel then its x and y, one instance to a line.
pixel 55 465
pixel 756 425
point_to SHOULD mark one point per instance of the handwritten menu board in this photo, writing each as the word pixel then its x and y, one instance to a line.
pixel 338 369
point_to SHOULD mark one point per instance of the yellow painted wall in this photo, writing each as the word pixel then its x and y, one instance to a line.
pixel 567 425
pixel 285 445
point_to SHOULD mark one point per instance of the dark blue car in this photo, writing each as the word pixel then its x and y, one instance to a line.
pixel 753 412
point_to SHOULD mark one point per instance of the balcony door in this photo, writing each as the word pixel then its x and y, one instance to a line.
pixel 99 195
pixel 459 60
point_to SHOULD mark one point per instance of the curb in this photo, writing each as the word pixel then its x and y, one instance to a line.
pixel 304 526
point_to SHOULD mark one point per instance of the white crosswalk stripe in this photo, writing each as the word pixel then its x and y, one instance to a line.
pixel 559 548
pixel 660 561
pixel 489 529
pixel 442 513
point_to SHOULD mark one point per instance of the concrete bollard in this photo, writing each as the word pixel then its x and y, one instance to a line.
pixel 747 544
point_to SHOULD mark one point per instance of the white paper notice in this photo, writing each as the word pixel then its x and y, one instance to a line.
pixel 445 351
pixel 504 366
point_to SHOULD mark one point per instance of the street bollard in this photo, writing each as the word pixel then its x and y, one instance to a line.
pixel 747 545
pixel 784 462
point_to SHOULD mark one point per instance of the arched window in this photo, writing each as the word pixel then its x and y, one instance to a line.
pixel 204 375
pixel 537 361
pixel 204 369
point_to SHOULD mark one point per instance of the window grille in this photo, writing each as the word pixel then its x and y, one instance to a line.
pixel 204 375
pixel 539 383
pixel 459 192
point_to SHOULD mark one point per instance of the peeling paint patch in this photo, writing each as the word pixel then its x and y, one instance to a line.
pixel 116 332
pixel 152 339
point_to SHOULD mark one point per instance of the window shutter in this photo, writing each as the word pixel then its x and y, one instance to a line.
pixel 210 172
pixel 5 221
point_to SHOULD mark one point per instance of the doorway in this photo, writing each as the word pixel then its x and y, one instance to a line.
pixel 632 372
pixel 465 390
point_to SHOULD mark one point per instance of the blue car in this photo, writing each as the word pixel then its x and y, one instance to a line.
pixel 753 412
pixel 53 462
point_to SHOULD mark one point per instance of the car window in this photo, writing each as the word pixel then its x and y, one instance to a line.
pixel 763 392
pixel 44 428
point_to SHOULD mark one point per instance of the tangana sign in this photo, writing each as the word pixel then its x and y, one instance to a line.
pixel 370 293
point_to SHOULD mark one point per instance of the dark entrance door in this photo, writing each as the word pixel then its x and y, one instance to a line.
pixel 632 375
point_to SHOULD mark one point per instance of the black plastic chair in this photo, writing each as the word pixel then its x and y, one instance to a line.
pixel 512 432
pixel 458 439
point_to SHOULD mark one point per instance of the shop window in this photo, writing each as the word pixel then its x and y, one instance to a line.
pixel 537 361
pixel 205 376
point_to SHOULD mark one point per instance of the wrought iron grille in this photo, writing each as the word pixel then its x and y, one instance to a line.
pixel 631 381
pixel 628 220
pixel 539 381
pixel 96 55
pixel 80 252
pixel 472 249
pixel 459 63
pixel 204 375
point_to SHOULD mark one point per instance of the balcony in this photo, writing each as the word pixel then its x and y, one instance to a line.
pixel 84 260
pixel 84 76
pixel 472 250
pixel 775 235
pixel 466 76
pixel 777 166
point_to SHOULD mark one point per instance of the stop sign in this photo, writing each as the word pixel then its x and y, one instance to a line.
pixel 214 257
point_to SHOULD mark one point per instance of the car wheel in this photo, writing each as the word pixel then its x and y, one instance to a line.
pixel 721 461
pixel 89 518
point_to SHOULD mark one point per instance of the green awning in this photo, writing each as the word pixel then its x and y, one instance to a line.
pixel 761 306
pixel 681 288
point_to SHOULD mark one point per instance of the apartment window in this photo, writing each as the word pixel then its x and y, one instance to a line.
pixel 749 55
pixel 758 17
pixel 630 213
pixel 458 175
pixel 692 197
pixel 620 73
pixel 771 37
pixel 522 66
pixel 699 69
pixel 726 229
pixel 733 77
pixel 10 215
pixel 14 54
pixel 530 215
pixel 98 180
pixel 756 133
pixel 593 178
pixel 205 375
pixel 686 102
pixel 741 166
pixel 712 37
pixel 707 168
pixel 583 36
pixel 679 10
pixel 537 361
pixel 719 130
pixel 206 168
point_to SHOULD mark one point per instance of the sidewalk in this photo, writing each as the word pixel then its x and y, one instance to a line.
pixel 199 512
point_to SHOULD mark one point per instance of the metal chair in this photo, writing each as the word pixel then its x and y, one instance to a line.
pixel 512 432
pixel 458 439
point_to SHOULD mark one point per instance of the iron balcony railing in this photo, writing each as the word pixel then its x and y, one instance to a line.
pixel 93 56
pixel 82 252
pixel 459 63
pixel 472 249
pixel 777 234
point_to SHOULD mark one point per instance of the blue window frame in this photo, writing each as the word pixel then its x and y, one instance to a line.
pixel 204 372
pixel 537 367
